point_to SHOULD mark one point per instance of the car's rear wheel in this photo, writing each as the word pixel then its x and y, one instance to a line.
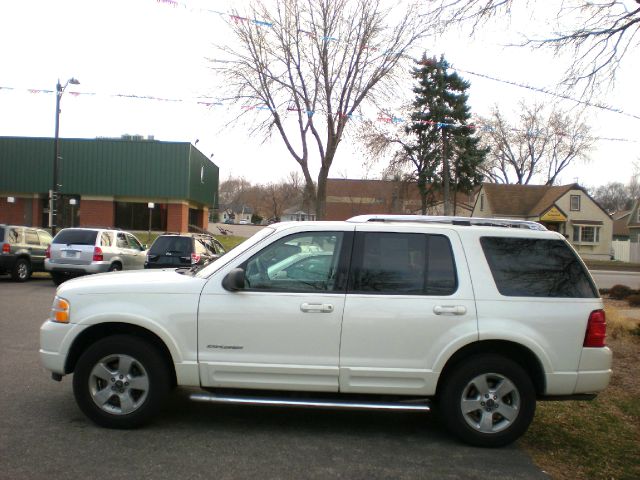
pixel 121 382
pixel 21 270
pixel 115 267
pixel 488 401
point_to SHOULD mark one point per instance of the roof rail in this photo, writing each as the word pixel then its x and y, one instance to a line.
pixel 465 221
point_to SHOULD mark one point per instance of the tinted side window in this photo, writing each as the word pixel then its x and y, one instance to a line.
pixel 525 267
pixel 121 241
pixel 105 239
pixel 45 238
pixel 218 246
pixel 76 237
pixel 201 248
pixel 403 264
pixel 133 242
pixel 32 237
pixel 15 235
pixel 297 263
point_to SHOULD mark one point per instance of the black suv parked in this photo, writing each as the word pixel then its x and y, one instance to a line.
pixel 173 250
pixel 22 250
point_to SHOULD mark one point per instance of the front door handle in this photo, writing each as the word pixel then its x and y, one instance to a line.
pixel 449 310
pixel 317 307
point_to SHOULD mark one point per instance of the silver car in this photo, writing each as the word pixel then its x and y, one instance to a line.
pixel 81 251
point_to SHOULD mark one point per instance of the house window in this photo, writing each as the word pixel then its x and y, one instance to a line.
pixel 586 234
pixel 575 203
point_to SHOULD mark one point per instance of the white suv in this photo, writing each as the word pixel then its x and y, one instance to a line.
pixel 378 312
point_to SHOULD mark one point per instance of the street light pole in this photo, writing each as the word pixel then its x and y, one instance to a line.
pixel 56 156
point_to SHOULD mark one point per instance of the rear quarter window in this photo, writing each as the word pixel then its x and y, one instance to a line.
pixel 531 267
pixel 76 237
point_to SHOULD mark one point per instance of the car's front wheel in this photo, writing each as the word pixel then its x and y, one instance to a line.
pixel 121 382
pixel 488 401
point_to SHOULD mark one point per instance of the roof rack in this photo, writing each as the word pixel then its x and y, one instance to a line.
pixel 464 221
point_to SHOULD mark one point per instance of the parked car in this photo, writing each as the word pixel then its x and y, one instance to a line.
pixel 81 251
pixel 174 250
pixel 481 317
pixel 244 222
pixel 22 250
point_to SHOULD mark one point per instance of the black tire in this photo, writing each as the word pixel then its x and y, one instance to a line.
pixel 115 267
pixel 131 388
pixel 474 412
pixel 58 278
pixel 21 271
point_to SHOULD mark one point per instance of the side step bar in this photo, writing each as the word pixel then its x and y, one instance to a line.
pixel 422 406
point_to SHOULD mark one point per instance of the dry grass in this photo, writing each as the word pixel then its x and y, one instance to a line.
pixel 600 439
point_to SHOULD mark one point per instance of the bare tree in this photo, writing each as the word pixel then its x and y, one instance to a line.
pixel 312 64
pixel 282 195
pixel 539 146
pixel 613 197
pixel 598 34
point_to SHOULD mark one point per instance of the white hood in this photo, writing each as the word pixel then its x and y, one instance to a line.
pixel 166 281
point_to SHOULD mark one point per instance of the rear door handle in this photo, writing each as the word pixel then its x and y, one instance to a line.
pixel 317 307
pixel 449 310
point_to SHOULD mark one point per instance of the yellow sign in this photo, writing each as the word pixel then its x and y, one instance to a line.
pixel 553 215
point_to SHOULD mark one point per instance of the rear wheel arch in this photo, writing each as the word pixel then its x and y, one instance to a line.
pixel 515 352
pixel 102 330
pixel 115 266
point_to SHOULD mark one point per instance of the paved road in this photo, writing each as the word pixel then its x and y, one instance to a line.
pixel 607 279
pixel 43 435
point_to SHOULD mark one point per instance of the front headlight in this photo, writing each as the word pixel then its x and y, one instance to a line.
pixel 59 310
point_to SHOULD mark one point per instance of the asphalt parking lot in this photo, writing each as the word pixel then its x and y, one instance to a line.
pixel 44 435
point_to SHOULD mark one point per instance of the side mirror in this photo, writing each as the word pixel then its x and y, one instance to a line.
pixel 234 280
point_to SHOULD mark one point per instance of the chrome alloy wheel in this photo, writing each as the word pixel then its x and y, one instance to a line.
pixel 23 271
pixel 490 403
pixel 118 384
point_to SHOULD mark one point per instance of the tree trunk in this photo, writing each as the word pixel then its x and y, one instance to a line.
pixel 446 176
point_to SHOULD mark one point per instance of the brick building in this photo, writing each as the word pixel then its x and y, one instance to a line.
pixel 347 198
pixel 107 183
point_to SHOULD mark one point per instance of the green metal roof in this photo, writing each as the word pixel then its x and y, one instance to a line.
pixel 109 167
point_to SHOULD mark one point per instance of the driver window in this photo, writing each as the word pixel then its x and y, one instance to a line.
pixel 298 263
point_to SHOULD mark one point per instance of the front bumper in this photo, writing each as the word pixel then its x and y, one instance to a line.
pixel 55 342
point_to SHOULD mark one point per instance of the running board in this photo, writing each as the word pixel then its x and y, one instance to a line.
pixel 422 406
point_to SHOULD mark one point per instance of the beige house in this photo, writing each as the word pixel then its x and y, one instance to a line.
pixel 567 209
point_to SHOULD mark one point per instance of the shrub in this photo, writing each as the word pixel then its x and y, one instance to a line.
pixel 619 292
pixel 634 300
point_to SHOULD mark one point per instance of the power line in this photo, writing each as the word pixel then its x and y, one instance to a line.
pixel 548 92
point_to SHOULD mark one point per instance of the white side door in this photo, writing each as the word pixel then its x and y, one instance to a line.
pixel 409 305
pixel 282 331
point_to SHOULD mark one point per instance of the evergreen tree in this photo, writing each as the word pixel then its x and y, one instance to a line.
pixel 445 153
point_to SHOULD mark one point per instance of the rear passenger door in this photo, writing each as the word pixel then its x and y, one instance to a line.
pixel 409 305
pixel 36 251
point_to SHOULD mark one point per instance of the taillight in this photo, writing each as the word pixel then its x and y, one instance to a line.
pixel 6 248
pixel 47 253
pixel 195 258
pixel 97 254
pixel 596 330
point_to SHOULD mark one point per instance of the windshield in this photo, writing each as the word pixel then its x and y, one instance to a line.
pixel 230 255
